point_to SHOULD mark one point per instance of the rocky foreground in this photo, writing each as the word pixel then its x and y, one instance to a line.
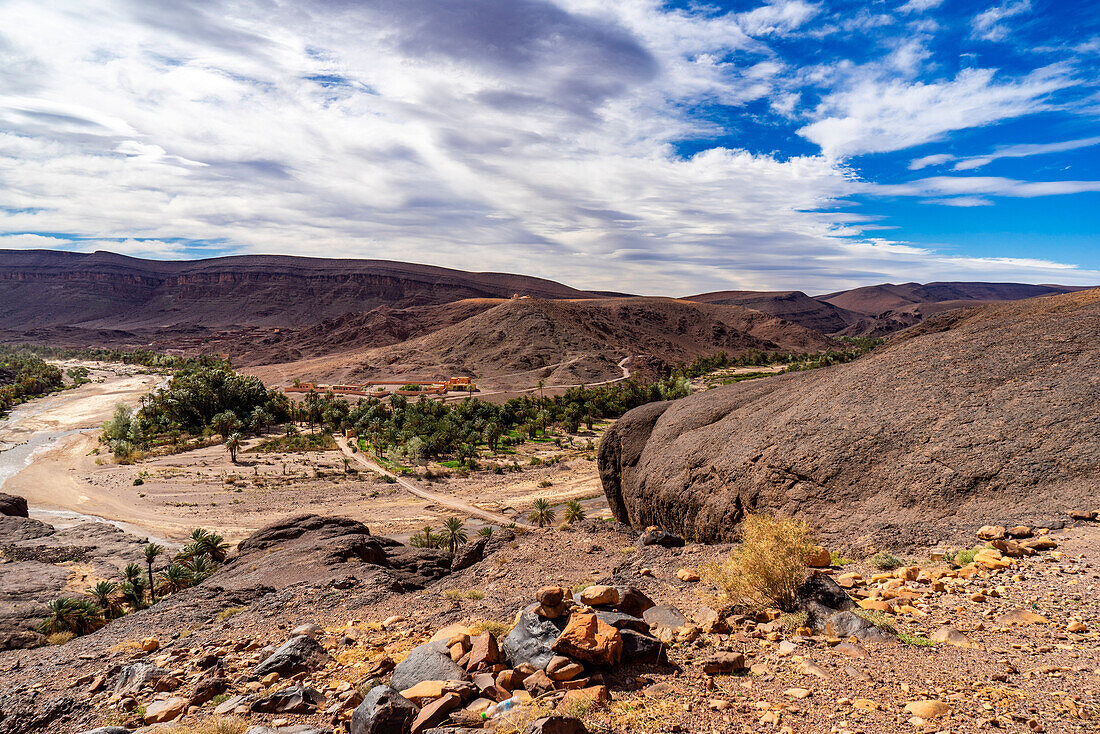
pixel 315 625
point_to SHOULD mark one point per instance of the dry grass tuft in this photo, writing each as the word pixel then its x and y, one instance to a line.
pixel 219 725
pixel 497 629
pixel 766 568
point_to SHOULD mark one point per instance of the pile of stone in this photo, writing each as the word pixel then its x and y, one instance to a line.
pixel 552 661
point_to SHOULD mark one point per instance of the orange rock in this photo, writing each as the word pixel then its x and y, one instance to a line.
pixel 591 640
pixel 819 557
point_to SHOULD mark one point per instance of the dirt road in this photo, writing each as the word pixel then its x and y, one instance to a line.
pixel 440 499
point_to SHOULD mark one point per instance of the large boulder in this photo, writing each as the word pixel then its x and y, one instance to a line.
pixel 469 553
pixel 532 640
pixel 935 429
pixel 317 550
pixel 12 506
pixel 383 711
pixel 297 654
pixel 430 661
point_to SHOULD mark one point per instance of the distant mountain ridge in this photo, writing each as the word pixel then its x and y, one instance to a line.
pixel 878 310
pixel 103 290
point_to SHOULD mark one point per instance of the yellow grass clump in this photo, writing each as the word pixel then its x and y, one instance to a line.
pixel 766 569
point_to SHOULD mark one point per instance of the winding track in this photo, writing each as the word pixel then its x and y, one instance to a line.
pixel 439 499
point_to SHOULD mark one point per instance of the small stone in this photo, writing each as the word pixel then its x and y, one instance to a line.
pixel 951 636
pixel 150 644
pixel 724 663
pixel 819 557
pixel 599 595
pixel 687 575
pixel 1077 626
pixel 991 532
pixel 928 709
pixel 798 692
pixel 160 711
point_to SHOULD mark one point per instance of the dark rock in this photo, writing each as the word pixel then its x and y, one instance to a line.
pixel 621 621
pixel 430 661
pixel 556 725
pixel 501 538
pixel 20 639
pixel 632 601
pixel 820 597
pixel 290 700
pixel 12 505
pixel 383 711
pixel 661 538
pixel 329 550
pixel 296 655
pixel 133 677
pixel 469 553
pixel 912 453
pixel 532 640
pixel 207 688
pixel 850 624
pixel 1049 524
pixel 641 649
pixel 108 730
pixel 297 729
pixel 664 616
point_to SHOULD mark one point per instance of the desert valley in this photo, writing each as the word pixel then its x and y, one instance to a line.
pixel 549 367
pixel 447 475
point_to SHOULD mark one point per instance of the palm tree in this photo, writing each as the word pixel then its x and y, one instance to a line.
pixel 151 551
pixel 204 541
pixel 423 539
pixel 574 512
pixel 453 534
pixel 542 513
pixel 542 383
pixel 104 595
pixel 199 567
pixel 78 616
pixel 486 532
pixel 233 445
pixel 174 578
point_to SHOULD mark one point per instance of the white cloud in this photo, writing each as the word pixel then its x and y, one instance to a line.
pixel 988 24
pixel 1025 150
pixel 876 115
pixel 919 6
pixel 935 159
pixel 989 185
pixel 516 135
pixel 778 17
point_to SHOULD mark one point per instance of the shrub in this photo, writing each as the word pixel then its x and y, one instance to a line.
pixel 497 629
pixel 964 557
pixel 883 561
pixel 766 568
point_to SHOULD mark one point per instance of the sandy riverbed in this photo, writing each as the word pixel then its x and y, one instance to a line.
pixel 58 468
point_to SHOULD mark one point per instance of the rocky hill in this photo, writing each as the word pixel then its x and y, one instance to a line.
pixel 974 413
pixel 571 341
pixel 793 306
pixel 102 290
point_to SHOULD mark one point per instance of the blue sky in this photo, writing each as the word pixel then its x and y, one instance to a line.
pixel 634 145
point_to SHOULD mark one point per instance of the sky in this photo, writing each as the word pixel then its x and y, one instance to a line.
pixel 629 145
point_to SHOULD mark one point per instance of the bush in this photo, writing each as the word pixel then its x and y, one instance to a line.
pixel 767 567
pixel 883 561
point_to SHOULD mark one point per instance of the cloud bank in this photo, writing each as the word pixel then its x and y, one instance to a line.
pixel 549 138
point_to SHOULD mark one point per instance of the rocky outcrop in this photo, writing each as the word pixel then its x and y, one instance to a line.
pixel 12 506
pixel 974 414
pixel 318 550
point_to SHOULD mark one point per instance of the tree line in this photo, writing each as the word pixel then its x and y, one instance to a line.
pixel 24 376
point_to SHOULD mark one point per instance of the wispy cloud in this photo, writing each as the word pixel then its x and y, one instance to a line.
pixel 989 25
pixel 540 136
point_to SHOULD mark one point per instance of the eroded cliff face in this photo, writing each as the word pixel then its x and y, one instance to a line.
pixel 971 415
pixel 104 290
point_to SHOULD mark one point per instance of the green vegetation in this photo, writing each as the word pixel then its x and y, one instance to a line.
pixel 574 512
pixel 963 557
pixel 915 640
pixel 542 513
pixel 700 366
pixel 138 588
pixel 205 396
pixel 24 376
pixel 766 568
pixel 883 561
